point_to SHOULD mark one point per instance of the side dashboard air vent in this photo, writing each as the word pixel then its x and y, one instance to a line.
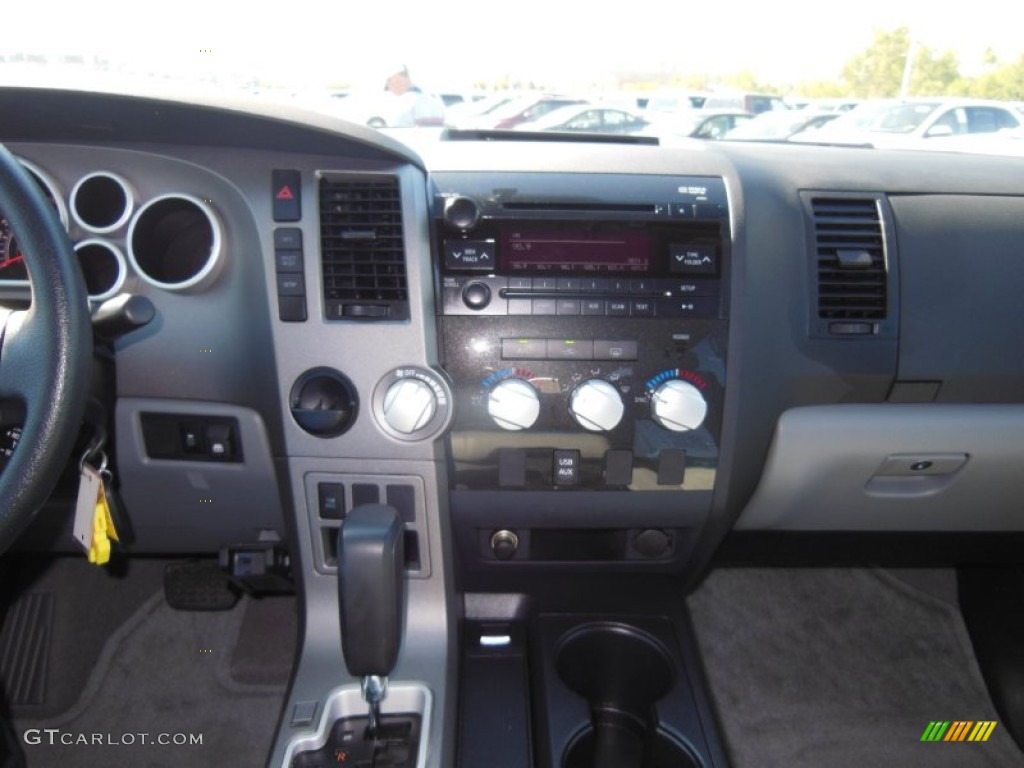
pixel 853 262
pixel 362 249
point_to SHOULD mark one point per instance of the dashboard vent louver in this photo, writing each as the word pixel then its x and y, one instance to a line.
pixel 852 271
pixel 362 249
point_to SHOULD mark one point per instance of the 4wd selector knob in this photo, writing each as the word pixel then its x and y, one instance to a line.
pixel 596 405
pixel 514 404
pixel 678 406
pixel 409 405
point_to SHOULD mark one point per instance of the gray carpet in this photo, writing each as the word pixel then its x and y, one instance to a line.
pixel 89 605
pixel 170 672
pixel 841 667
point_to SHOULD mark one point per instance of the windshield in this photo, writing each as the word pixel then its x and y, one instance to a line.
pixel 404 65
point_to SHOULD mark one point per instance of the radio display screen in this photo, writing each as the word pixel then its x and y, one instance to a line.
pixel 574 250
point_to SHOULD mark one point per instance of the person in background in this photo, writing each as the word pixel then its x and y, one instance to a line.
pixel 416 108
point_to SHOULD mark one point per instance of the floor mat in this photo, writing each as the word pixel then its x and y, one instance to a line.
pixel 837 667
pixel 64 611
pixel 162 694
pixel 25 649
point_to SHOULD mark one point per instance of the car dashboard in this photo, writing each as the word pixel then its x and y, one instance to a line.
pixel 558 361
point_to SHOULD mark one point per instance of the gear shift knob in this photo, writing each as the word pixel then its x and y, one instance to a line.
pixel 371 588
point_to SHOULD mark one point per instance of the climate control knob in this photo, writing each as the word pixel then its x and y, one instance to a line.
pixel 596 405
pixel 678 406
pixel 409 405
pixel 514 404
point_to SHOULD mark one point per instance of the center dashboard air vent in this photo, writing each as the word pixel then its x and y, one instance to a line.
pixel 362 249
pixel 853 265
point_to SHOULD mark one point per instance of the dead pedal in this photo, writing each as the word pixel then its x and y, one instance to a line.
pixel 25 649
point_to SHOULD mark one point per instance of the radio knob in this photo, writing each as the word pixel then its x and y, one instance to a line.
pixel 596 405
pixel 476 295
pixel 409 405
pixel 514 404
pixel 461 213
pixel 678 406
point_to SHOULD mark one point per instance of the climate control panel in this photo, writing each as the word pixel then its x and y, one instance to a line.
pixel 631 404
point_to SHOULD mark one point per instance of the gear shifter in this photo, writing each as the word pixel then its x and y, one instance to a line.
pixel 371 588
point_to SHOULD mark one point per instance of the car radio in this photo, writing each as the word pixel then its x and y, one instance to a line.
pixel 585 337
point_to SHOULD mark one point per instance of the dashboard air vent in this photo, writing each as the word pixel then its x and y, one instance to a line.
pixel 851 264
pixel 362 249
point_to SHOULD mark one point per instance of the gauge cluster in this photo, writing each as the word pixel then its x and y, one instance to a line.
pixel 171 242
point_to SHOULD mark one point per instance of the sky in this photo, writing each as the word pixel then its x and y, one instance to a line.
pixel 454 45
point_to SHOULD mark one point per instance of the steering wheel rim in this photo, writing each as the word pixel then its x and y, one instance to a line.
pixel 45 352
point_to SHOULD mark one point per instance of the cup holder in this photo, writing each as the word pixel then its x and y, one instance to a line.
pixel 622 672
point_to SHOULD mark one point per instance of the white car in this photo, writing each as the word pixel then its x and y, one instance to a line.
pixel 382 109
pixel 912 122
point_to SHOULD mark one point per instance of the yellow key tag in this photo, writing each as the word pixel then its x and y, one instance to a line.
pixel 102 531
pixel 89 485
pixel 108 519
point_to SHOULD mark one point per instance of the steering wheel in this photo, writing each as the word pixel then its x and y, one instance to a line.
pixel 45 352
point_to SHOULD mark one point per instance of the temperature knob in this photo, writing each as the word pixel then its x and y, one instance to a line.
pixel 409 405
pixel 596 405
pixel 678 406
pixel 514 404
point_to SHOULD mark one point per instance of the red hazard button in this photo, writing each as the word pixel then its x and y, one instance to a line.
pixel 286 186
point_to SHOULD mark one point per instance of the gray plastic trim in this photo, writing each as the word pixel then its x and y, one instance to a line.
pixel 348 702
pixel 213 261
pixel 51 185
pixel 123 217
pixel 427 653
pixel 321 527
pixel 122 266
pixel 851 468
pixel 189 506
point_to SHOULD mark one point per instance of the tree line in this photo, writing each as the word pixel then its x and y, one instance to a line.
pixel 876 72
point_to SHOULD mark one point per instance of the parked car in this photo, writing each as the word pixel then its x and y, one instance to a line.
pixel 381 109
pixel 586 118
pixel 755 103
pixel 700 123
pixel 909 122
pixel 669 102
pixel 519 110
pixel 780 125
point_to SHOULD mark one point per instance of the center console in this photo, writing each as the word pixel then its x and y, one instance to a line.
pixel 585 339
pixel 584 336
